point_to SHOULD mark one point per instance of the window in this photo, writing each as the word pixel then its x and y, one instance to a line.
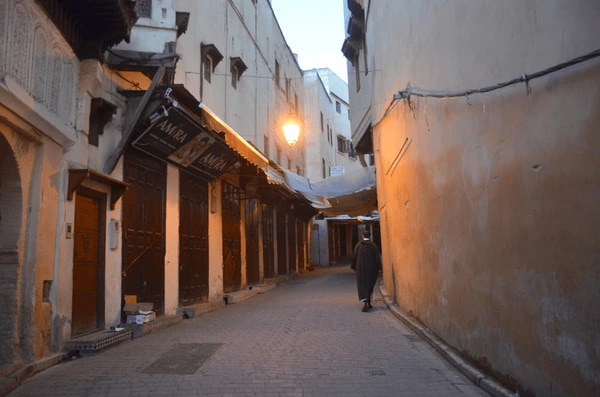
pixel 208 67
pixel 288 82
pixel 235 76
pixel 237 68
pixel 296 102
pixel 351 151
pixel 338 107
pixel 357 72
pixel 322 130
pixel 101 112
pixel 324 169
pixel 340 144
pixel 143 8
pixel 210 59
pixel 276 73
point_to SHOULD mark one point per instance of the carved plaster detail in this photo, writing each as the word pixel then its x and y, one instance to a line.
pixel 38 57
pixel 19 48
pixel 40 65
pixel 55 80
pixel 3 34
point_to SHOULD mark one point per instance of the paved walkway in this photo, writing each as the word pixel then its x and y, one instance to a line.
pixel 307 337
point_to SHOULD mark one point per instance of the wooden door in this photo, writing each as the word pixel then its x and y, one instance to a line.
pixel 232 270
pixel 193 239
pixel 331 238
pixel 252 259
pixel 143 229
pixel 301 228
pixel 281 243
pixel 268 242
pixel 88 263
pixel 292 241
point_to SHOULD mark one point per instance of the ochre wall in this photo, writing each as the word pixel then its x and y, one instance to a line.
pixel 490 218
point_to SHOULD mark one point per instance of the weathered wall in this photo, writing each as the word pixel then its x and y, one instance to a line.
pixel 37 103
pixel 490 218
pixel 11 211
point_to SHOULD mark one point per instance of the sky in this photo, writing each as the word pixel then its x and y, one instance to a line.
pixel 314 29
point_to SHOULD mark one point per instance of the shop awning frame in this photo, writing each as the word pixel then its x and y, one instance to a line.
pixel 208 119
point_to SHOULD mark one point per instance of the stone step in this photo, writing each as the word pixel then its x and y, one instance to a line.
pixel 197 309
pixel 90 344
pixel 238 296
pixel 162 322
pixel 261 288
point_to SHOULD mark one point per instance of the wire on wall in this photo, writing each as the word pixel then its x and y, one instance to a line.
pixel 526 78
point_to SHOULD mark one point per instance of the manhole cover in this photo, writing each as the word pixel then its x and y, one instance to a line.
pixel 376 372
pixel 184 358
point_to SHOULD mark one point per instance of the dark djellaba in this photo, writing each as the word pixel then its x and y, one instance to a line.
pixel 367 263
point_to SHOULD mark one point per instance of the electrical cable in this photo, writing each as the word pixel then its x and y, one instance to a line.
pixel 526 78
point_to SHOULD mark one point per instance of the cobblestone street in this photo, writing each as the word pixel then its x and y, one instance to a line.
pixel 306 337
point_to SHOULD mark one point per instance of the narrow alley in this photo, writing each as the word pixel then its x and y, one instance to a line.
pixel 306 337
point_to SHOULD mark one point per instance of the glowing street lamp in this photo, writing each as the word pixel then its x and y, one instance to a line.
pixel 291 130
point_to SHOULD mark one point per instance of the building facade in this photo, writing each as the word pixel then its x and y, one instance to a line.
pixel 487 197
pixel 106 190
pixel 44 60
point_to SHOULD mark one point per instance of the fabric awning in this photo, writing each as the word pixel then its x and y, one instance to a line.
pixel 352 194
pixel 233 139
pixel 208 119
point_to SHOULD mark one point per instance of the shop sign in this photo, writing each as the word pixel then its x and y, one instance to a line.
pixel 180 141
pixel 336 170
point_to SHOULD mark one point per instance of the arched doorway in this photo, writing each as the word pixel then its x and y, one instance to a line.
pixel 10 228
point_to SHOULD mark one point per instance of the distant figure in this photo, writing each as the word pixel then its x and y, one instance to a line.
pixel 367 263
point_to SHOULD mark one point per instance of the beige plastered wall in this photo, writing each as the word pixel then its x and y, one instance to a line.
pixel 38 160
pixel 490 216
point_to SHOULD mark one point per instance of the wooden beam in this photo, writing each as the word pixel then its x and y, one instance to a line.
pixel 111 163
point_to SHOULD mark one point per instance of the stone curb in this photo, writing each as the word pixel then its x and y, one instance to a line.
pixel 12 381
pixel 488 384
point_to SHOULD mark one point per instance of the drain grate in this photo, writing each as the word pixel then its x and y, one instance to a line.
pixel 376 372
pixel 184 358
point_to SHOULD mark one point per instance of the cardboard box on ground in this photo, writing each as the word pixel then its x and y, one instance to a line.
pixel 138 312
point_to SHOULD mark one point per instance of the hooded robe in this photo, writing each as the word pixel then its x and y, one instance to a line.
pixel 367 263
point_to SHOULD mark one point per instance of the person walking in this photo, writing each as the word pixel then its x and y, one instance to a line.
pixel 367 263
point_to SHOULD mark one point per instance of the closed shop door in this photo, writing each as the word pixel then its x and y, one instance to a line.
pixel 232 270
pixel 268 242
pixel 88 264
pixel 281 243
pixel 252 220
pixel 143 228
pixel 300 233
pixel 292 241
pixel 193 240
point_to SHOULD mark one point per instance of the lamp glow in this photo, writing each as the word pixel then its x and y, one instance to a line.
pixel 291 131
